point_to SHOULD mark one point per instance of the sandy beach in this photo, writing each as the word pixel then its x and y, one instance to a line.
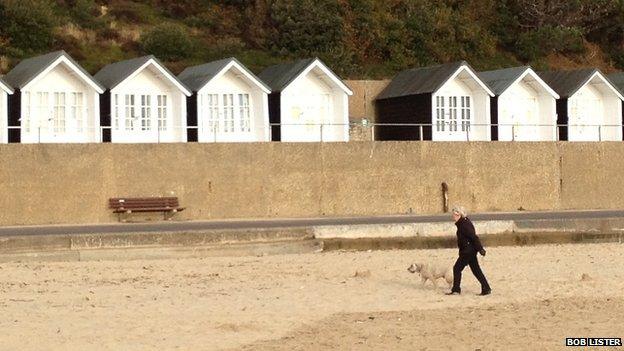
pixel 541 295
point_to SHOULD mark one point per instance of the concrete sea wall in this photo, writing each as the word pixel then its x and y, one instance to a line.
pixel 45 183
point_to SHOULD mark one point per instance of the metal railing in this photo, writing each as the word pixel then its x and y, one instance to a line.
pixel 325 132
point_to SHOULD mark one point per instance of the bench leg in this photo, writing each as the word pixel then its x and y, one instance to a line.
pixel 168 215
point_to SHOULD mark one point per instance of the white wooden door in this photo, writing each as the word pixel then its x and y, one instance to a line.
pixel 226 117
pixel 525 119
pixel 585 118
pixel 309 118
pixel 453 116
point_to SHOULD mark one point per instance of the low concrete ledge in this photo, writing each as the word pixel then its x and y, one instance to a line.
pixel 189 238
pixel 150 253
pixel 570 225
pixel 301 239
pixel 406 230
pixel 489 240
pixel 34 243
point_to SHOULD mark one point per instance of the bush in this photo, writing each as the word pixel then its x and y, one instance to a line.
pixel 84 12
pixel 132 12
pixel 28 25
pixel 168 42
pixel 546 40
pixel 306 27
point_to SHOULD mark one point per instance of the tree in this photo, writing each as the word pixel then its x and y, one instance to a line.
pixel 169 42
pixel 27 25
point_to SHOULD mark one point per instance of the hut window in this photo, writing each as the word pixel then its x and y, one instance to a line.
pixel 228 112
pixel 465 113
pixel 76 110
pixel 116 113
pixel 162 112
pixel 58 119
pixel 453 113
pixel 146 120
pixel 440 113
pixel 213 111
pixel 243 106
pixel 26 114
pixel 130 111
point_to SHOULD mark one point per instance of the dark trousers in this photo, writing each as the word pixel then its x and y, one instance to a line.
pixel 468 260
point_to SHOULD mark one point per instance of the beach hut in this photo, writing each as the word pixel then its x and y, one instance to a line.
pixel 308 101
pixel 229 103
pixel 143 103
pixel 447 102
pixel 55 101
pixel 524 106
pixel 589 107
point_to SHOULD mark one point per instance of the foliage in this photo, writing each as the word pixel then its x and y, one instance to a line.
pixel 169 42
pixel 27 26
pixel 357 38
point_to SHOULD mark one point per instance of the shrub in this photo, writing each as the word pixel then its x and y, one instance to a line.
pixel 169 42
pixel 546 40
pixel 28 25
pixel 306 27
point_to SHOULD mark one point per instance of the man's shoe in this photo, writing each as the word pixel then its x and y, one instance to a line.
pixel 453 293
pixel 485 292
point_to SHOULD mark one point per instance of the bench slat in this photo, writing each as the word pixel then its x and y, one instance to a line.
pixel 144 204
pixel 149 209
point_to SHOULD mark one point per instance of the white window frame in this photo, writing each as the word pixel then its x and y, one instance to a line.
pixel 130 109
pixel 76 110
pixel 145 116
pixel 466 113
pixel 116 116
pixel 162 107
pixel 213 110
pixel 440 117
pixel 59 116
pixel 244 114
pixel 26 114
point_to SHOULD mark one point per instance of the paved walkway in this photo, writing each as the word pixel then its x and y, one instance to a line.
pixel 180 226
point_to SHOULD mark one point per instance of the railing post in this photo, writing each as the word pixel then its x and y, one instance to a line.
pixel 513 132
pixel 38 134
pixel 214 132
pixel 556 132
pixel 321 128
pixel 372 132
pixel 599 132
pixel 421 132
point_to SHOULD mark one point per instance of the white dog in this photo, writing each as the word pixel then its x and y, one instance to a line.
pixel 432 272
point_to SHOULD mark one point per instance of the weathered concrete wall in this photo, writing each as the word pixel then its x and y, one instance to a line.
pixel 71 183
pixel 361 103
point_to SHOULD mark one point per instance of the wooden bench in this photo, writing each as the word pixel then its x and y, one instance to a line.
pixel 127 205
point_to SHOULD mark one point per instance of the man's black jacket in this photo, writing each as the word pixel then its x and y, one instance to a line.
pixel 467 240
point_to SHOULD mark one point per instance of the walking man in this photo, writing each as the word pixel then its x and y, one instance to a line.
pixel 469 245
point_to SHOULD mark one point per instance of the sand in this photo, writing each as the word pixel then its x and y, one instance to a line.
pixel 540 296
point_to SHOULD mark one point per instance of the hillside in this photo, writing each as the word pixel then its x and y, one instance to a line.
pixel 357 38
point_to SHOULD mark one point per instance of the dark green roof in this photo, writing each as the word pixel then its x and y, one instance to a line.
pixel 566 83
pixel 278 77
pixel 197 77
pixel 501 79
pixel 618 80
pixel 30 68
pixel 111 75
pixel 423 80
